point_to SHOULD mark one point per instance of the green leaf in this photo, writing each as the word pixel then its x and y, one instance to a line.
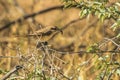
pixel 83 13
pixel 118 71
pixel 93 48
pixel 102 18
pixel 117 3
pixel 118 36
pixel 116 25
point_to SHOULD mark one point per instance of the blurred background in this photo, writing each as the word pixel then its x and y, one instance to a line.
pixel 17 21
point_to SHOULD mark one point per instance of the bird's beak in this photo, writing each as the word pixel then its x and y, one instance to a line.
pixel 60 30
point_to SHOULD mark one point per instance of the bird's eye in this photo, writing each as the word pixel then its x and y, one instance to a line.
pixel 54 28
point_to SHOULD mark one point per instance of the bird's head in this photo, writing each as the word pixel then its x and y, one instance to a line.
pixel 55 28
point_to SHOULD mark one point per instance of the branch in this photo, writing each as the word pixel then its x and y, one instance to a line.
pixel 113 42
pixel 12 72
pixel 82 52
pixel 9 57
pixel 19 20
pixel 74 21
pixel 67 25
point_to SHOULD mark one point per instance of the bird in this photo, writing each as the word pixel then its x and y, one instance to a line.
pixel 46 32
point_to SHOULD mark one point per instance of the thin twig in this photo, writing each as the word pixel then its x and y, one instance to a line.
pixel 82 52
pixel 12 72
pixel 65 26
pixel 64 75
pixel 113 42
pixel 9 57
pixel 111 73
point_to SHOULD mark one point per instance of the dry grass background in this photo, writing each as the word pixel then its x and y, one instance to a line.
pixel 77 36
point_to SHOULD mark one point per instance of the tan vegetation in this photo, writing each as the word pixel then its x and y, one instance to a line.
pixel 56 56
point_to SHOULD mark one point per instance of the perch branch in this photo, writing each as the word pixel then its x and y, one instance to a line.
pixel 67 25
pixel 11 72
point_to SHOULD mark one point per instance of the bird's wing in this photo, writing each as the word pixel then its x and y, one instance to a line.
pixel 41 31
pixel 44 30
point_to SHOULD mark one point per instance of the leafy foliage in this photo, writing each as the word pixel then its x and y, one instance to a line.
pixel 99 8
pixel 104 11
pixel 85 51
